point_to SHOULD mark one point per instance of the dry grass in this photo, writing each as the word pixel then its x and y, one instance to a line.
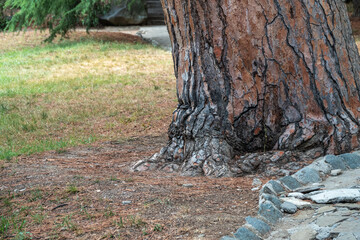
pixel 79 90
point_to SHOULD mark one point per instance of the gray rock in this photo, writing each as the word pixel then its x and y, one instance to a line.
pixel 272 198
pixel 307 175
pixel 276 186
pixel 259 225
pixel 300 204
pixel 270 212
pixel 321 166
pixel 352 160
pixel 297 195
pixel 335 162
pixel 323 233
pixel 290 182
pixel 337 196
pixel 244 233
pixel 308 189
pixel 267 188
pixel 335 172
pixel 289 207
pixel 126 202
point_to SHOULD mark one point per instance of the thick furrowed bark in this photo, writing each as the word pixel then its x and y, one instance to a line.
pixel 258 75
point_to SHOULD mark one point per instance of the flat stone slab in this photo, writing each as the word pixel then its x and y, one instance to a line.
pixel 259 225
pixel 308 189
pixel 276 186
pixel 303 215
pixel 328 221
pixel 304 234
pixel 351 206
pixel 326 209
pixel 335 162
pixel 290 182
pixel 337 196
pixel 270 212
pixel 352 160
pixel 352 225
pixel 272 198
pixel 307 175
pixel 244 233
pixel 300 204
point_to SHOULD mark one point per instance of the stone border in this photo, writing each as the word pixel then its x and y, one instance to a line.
pixel 272 208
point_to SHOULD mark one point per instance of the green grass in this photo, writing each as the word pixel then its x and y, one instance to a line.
pixel 72 189
pixel 77 91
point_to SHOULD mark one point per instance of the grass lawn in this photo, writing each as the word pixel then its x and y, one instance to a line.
pixel 83 89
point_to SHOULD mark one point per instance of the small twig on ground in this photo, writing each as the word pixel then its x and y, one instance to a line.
pixel 59 206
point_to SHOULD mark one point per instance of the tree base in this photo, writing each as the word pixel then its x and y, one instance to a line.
pixel 209 157
pixel 219 164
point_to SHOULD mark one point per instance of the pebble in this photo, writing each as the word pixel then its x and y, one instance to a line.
pixel 188 185
pixel 126 202
pixel 256 182
pixel 335 172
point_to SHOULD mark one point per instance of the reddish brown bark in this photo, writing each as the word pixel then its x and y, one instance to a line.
pixel 259 74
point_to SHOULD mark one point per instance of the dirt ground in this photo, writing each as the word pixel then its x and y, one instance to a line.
pixel 81 193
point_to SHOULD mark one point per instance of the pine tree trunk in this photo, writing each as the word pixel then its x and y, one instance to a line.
pixel 259 74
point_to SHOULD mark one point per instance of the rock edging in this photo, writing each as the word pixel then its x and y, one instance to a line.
pixel 285 195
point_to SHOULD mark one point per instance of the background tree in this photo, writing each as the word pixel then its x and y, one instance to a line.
pixel 3 20
pixel 259 75
pixel 59 16
pixel 356 6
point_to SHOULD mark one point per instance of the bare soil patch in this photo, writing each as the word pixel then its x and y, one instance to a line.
pixel 81 193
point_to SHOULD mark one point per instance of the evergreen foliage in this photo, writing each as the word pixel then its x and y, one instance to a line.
pixel 59 16
pixel 3 19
